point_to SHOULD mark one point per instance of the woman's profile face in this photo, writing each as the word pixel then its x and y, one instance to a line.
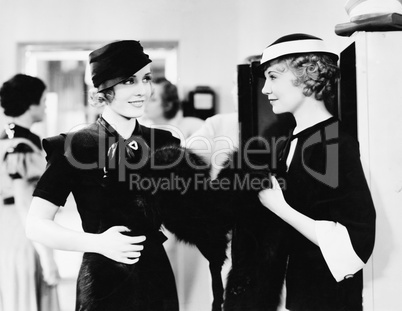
pixel 132 94
pixel 153 108
pixel 38 111
pixel 283 95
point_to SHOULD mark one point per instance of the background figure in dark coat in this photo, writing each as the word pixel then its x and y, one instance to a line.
pixel 29 274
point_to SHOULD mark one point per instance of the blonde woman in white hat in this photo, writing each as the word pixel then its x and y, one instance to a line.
pixel 325 198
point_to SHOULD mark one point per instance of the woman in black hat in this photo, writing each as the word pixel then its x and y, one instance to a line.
pixel 325 198
pixel 125 266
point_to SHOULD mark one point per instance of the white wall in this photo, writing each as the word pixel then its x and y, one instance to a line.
pixel 213 35
pixel 270 19
pixel 379 96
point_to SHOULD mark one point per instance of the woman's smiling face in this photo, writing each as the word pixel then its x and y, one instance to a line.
pixel 283 94
pixel 131 94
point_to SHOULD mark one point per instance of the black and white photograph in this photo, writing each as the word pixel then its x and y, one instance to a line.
pixel 209 155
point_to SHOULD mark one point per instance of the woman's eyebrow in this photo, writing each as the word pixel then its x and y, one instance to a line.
pixel 274 70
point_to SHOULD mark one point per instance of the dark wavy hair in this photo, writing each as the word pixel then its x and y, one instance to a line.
pixel 170 98
pixel 318 73
pixel 19 93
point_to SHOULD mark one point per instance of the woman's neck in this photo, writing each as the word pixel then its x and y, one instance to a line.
pixel 24 120
pixel 125 127
pixel 311 113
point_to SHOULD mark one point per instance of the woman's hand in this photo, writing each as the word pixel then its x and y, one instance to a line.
pixel 42 228
pixel 50 271
pixel 119 247
pixel 273 198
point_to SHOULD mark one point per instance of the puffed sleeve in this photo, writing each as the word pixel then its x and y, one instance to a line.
pixel 23 162
pixel 347 240
pixel 56 182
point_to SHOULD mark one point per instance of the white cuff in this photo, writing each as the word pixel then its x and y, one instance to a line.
pixel 336 247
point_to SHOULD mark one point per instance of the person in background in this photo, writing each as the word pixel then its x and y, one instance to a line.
pixel 219 135
pixel 125 266
pixel 164 108
pixel 164 111
pixel 28 271
pixel 213 141
pixel 325 198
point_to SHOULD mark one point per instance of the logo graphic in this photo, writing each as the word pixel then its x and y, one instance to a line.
pixel 331 175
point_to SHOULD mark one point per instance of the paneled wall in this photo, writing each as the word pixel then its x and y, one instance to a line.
pixel 379 98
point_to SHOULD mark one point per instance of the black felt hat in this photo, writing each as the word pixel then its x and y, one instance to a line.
pixel 293 44
pixel 116 62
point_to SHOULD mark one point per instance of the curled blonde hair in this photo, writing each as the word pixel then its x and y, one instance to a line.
pixel 317 73
pixel 99 99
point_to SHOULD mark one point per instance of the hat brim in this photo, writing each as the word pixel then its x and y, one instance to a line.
pixel 114 81
pixel 110 83
pixel 275 51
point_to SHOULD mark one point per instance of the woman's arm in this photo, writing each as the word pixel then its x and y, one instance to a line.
pixel 273 199
pixel 41 227
pixel 332 237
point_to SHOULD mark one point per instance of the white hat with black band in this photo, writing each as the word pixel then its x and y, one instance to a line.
pixel 297 43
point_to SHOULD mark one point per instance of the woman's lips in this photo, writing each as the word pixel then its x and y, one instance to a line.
pixel 137 103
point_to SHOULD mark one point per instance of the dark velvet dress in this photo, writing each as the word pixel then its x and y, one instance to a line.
pixel 102 171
